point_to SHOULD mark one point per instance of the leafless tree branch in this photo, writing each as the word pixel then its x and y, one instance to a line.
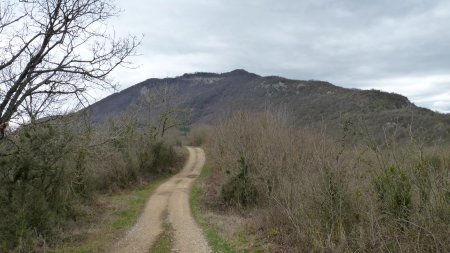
pixel 56 49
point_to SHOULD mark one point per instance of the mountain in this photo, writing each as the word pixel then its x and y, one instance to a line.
pixel 211 96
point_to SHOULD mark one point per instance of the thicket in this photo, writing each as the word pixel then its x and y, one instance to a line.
pixel 325 195
pixel 49 169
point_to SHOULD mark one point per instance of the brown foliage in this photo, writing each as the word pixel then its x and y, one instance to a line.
pixel 323 195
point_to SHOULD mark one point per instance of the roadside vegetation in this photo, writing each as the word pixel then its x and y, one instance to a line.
pixel 53 173
pixel 57 163
pixel 225 229
pixel 368 190
pixel 313 192
pixel 107 218
pixel 217 242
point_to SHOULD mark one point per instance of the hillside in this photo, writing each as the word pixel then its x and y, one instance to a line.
pixel 211 96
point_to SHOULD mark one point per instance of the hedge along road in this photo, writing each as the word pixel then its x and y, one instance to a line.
pixel 171 198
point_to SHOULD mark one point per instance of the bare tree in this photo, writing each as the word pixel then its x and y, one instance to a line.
pixel 162 107
pixel 54 50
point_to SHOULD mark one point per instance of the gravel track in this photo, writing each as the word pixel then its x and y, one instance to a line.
pixel 173 197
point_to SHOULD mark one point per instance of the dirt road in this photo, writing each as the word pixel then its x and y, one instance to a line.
pixel 172 199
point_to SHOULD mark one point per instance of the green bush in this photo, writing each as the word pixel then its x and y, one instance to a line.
pixel 38 184
pixel 48 170
pixel 164 156
pixel 393 189
pixel 335 207
pixel 240 189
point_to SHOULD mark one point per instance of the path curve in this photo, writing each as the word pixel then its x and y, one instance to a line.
pixel 171 197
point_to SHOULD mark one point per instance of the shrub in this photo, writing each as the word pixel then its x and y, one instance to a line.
pixel 48 169
pixel 38 184
pixel 393 190
pixel 197 135
pixel 164 156
pixel 239 189
pixel 334 196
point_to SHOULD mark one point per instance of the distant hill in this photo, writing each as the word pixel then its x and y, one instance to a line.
pixel 211 96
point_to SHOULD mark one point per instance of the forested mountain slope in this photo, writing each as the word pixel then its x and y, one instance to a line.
pixel 209 97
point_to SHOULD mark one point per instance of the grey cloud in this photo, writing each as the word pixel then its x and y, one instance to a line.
pixel 352 43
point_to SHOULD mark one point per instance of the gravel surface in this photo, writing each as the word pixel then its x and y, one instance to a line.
pixel 173 197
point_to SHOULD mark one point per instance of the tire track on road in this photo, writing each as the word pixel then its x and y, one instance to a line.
pixel 173 196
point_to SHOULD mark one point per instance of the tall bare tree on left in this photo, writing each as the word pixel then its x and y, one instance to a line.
pixel 52 51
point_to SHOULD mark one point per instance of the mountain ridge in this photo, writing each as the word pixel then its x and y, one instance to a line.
pixel 211 96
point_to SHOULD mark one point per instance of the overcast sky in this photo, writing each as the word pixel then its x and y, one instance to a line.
pixel 397 46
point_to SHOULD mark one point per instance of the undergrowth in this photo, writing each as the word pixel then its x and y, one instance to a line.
pixel 51 170
pixel 330 195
